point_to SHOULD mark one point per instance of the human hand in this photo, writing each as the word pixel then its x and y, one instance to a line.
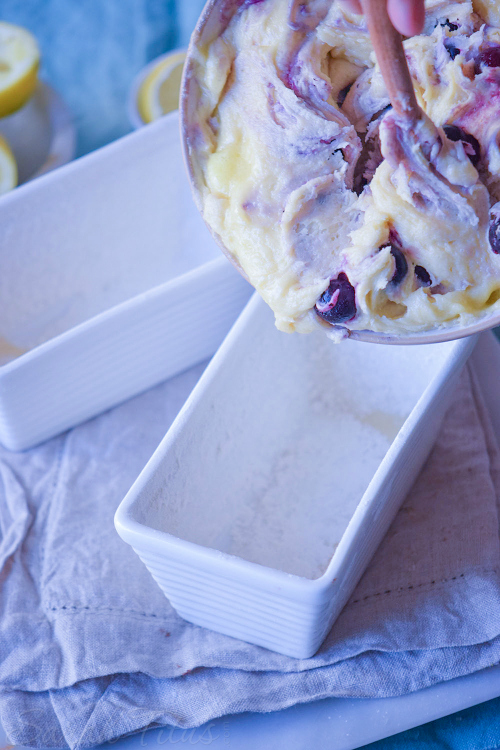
pixel 406 15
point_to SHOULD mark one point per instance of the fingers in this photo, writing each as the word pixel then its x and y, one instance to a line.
pixel 407 15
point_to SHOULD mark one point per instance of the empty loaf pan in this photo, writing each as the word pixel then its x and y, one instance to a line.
pixel 265 501
pixel 109 283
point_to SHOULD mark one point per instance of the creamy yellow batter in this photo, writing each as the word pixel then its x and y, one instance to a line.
pixel 338 213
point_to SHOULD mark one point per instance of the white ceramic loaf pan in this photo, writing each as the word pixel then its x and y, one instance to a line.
pixel 265 501
pixel 109 283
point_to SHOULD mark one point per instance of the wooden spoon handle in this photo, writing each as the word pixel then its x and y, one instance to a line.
pixel 388 46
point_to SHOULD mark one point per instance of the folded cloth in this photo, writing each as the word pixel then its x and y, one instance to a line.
pixel 90 649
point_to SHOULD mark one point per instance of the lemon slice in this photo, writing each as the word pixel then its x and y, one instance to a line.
pixel 8 167
pixel 159 92
pixel 19 60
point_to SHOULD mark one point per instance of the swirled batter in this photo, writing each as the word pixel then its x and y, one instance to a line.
pixel 337 212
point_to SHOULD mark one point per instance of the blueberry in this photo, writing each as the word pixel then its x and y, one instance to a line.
pixel 453 132
pixel 401 265
pixel 451 26
pixel 337 303
pixel 490 57
pixel 423 276
pixel 494 235
pixel 452 50
pixel 471 144
pixel 343 93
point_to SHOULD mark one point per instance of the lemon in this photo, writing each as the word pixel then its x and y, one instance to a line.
pixel 8 167
pixel 159 92
pixel 19 61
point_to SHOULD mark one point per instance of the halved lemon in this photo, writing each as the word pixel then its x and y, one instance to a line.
pixel 8 167
pixel 159 92
pixel 19 61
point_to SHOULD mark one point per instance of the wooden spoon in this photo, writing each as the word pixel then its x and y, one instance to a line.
pixel 388 46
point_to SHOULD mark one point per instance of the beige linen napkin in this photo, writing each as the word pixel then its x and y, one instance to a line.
pixel 90 648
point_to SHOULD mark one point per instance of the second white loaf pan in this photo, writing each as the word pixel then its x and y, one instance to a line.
pixel 109 283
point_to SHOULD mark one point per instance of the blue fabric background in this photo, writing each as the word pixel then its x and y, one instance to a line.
pixel 92 49
pixel 477 728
